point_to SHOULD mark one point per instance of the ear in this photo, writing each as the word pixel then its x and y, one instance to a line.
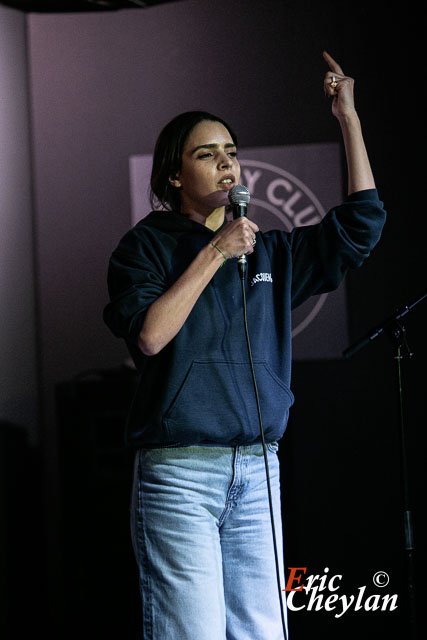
pixel 175 182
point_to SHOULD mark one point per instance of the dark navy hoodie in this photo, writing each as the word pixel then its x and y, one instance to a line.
pixel 198 389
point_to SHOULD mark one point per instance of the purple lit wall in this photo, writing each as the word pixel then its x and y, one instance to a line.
pixel 18 369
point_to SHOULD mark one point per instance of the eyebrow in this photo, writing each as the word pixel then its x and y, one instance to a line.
pixel 213 145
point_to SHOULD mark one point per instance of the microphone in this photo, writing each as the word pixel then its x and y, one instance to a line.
pixel 239 198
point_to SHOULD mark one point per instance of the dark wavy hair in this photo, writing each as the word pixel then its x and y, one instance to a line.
pixel 168 156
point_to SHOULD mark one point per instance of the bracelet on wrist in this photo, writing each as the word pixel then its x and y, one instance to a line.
pixel 221 252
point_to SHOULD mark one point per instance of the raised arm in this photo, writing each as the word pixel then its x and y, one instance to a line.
pixel 340 88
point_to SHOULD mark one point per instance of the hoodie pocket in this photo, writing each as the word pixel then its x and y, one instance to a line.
pixel 216 404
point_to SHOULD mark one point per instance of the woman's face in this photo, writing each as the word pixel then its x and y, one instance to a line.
pixel 209 169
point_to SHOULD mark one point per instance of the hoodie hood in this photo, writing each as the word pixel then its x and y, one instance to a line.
pixel 173 222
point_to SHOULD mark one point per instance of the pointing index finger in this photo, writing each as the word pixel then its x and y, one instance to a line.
pixel 333 65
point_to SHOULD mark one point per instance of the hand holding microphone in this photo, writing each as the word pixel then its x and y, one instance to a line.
pixel 237 239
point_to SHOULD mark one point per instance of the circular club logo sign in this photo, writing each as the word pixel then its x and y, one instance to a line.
pixel 279 200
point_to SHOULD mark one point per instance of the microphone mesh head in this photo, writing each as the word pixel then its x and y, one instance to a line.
pixel 239 194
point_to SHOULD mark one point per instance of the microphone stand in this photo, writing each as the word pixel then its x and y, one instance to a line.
pixel 396 332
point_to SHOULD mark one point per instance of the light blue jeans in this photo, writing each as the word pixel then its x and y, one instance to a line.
pixel 203 542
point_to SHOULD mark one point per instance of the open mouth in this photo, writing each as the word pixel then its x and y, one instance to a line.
pixel 227 181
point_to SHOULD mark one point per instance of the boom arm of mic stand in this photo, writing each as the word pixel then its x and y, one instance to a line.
pixel 381 328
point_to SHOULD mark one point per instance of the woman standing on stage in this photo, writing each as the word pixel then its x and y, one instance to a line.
pixel 200 516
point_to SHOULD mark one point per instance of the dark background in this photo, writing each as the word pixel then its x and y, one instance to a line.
pixel 102 84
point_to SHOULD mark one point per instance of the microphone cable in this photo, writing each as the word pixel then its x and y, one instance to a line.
pixel 242 273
